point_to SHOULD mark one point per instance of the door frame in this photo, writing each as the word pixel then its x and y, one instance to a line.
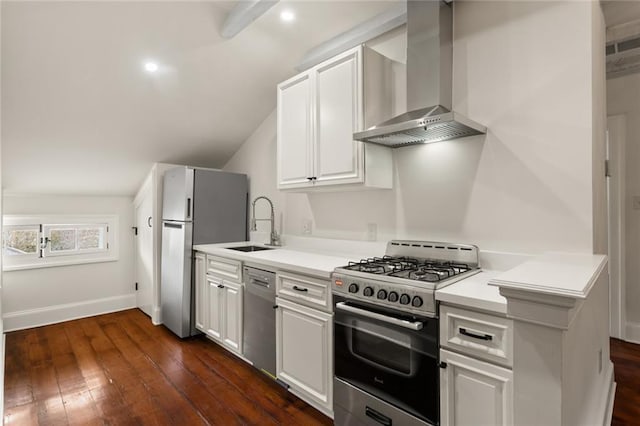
pixel 616 197
pixel 146 190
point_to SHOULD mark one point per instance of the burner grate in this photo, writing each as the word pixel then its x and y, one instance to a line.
pixel 410 268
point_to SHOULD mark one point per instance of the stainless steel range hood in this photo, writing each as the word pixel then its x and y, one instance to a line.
pixel 429 91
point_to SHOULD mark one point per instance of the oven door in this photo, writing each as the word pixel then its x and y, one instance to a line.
pixel 391 355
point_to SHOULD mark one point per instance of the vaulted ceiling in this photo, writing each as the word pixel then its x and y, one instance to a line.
pixel 81 116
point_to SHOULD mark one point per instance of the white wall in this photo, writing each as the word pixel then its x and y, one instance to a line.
pixel 599 132
pixel 2 338
pixel 34 296
pixel 622 98
pixel 524 187
pixel 533 185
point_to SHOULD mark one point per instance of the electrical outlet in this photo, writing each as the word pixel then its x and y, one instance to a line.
pixel 307 226
pixel 372 231
pixel 636 203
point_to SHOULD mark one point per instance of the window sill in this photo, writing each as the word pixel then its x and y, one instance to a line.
pixel 54 263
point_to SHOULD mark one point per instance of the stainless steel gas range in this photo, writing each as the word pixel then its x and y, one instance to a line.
pixel 386 332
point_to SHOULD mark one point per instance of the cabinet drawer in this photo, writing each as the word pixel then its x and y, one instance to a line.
pixel 481 335
pixel 304 290
pixel 226 268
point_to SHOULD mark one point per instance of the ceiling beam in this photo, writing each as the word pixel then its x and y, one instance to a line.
pixel 243 14
pixel 361 33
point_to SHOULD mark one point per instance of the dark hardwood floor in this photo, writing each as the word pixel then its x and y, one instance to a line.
pixel 119 369
pixel 626 362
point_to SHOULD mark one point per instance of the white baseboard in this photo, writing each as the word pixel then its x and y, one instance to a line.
pixel 155 317
pixel 610 396
pixel 632 332
pixel 54 314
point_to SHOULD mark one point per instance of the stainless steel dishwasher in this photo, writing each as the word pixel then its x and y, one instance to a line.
pixel 259 342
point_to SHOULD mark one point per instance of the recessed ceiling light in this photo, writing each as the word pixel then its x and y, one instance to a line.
pixel 287 16
pixel 150 67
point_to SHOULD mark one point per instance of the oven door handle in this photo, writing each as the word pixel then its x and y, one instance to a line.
pixel 417 325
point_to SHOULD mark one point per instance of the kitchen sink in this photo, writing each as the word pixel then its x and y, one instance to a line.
pixel 250 248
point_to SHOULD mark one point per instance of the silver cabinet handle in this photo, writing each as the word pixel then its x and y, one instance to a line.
pixel 149 221
pixel 475 335
pixel 374 315
pixel 259 282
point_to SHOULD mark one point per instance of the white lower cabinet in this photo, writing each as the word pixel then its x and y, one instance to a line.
pixel 218 304
pixel 232 316
pixel 200 270
pixel 214 307
pixel 304 352
pixel 474 392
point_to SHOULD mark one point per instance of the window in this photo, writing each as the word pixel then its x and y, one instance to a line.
pixel 64 240
pixel 42 241
pixel 20 240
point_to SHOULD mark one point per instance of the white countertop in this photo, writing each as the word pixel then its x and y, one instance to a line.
pixel 475 292
pixel 558 274
pixel 561 274
pixel 295 260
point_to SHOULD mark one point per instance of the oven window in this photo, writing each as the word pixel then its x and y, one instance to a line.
pixel 381 351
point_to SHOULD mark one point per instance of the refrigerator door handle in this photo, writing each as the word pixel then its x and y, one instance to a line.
pixel 172 225
pixel 188 208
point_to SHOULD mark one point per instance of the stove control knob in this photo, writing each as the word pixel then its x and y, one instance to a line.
pixel 417 301
pixel 382 294
pixel 393 297
pixel 405 299
pixel 353 288
pixel 368 291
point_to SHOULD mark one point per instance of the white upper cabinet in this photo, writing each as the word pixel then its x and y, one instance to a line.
pixel 294 131
pixel 318 112
pixel 338 114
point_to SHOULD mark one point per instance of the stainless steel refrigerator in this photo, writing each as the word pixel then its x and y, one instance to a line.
pixel 199 206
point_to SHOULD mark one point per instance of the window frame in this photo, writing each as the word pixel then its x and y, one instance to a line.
pixel 44 258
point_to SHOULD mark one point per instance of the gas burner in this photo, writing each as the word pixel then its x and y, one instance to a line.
pixel 372 269
pixel 383 265
pixel 407 276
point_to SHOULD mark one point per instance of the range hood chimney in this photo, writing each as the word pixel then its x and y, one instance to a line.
pixel 429 90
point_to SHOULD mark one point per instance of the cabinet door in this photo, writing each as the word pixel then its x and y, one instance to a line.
pixel 474 392
pixel 215 306
pixel 202 287
pixel 232 323
pixel 304 351
pixel 338 113
pixel 294 132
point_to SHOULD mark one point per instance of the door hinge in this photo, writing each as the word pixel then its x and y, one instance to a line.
pixel 136 286
pixel 607 168
pixel 135 230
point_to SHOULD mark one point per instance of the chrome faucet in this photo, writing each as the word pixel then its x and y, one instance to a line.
pixel 275 238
